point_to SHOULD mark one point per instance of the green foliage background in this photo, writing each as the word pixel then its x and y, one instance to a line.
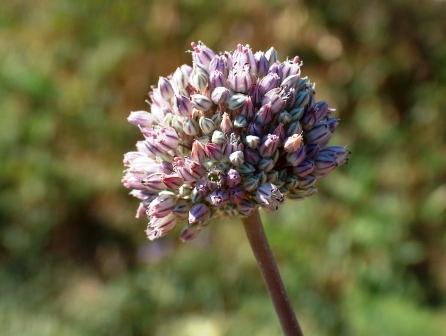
pixel 366 256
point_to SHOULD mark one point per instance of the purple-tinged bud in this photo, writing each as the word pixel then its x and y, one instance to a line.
pixel 271 55
pixel 237 158
pixel 220 95
pixel 305 168
pixel 248 109
pixel 190 233
pixel 246 169
pixel 255 128
pixel 202 53
pixel 264 115
pixel 226 123
pixel 293 143
pixel 251 156
pixel 199 78
pixel 312 150
pixel 320 134
pixel 295 158
pixel 302 99
pixel 269 196
pixel 182 105
pixel 218 137
pixel 202 188
pixel 291 68
pixel 219 63
pixel 266 165
pixel 153 182
pixel 251 183
pixel 290 81
pixel 262 63
pixel 197 153
pixel 240 80
pixel 294 128
pixel 267 83
pixel 165 88
pixel 243 56
pixel 218 198
pixel 199 214
pixel 180 78
pixel 166 167
pixel 275 99
pixel 213 151
pixel 162 205
pixel 159 227
pixel 280 132
pixel 233 178
pixel 190 127
pixel 240 121
pixel 269 145
pixel 140 118
pixel 217 79
pixel 201 102
pixel 276 68
pixel 314 114
pixel 206 125
pixel 252 141
pixel 236 101
pixel 340 154
pixel 172 181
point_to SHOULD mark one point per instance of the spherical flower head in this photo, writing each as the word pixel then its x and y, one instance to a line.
pixel 231 133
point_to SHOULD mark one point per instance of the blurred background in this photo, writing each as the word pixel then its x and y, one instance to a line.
pixel 365 256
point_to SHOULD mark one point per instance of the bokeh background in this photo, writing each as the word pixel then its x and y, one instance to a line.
pixel 365 256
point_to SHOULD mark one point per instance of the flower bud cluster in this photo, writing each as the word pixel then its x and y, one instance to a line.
pixel 234 132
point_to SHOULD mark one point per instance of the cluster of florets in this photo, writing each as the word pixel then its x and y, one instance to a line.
pixel 234 132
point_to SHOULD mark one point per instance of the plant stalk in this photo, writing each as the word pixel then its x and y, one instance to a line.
pixel 271 276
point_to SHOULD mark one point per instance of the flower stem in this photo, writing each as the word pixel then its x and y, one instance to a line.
pixel 270 272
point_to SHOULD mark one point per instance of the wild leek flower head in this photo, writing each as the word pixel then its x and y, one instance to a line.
pixel 234 132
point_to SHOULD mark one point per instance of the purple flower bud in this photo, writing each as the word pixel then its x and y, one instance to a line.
pixel 262 63
pixel 240 80
pixel 255 128
pixel 294 128
pixel 173 181
pixel 199 78
pixel 217 79
pixel 236 101
pixel 190 127
pixel 276 68
pixel 248 109
pixel 265 165
pixel 251 156
pixel 220 95
pixel 290 81
pixel 226 123
pixel 296 157
pixel 269 196
pixel 213 151
pixel 297 113
pixel 199 214
pixel 237 158
pixel 269 145
pixel 201 53
pixel 251 183
pixel 302 99
pixel 276 100
pixel 162 205
pixel 197 153
pixel 202 188
pixel 180 78
pixel 264 115
pixel 293 143
pixel 316 113
pixel 312 150
pixel 307 182
pixel 181 209
pixel 153 182
pixel 271 55
pixel 280 132
pixel 140 118
pixel 267 83
pixel 201 102
pixel 291 68
pixel 319 134
pixel 306 167
pixel 236 195
pixel 159 227
pixel 165 88
pixel 182 105
pixel 233 178
pixel 219 63
pixel 218 198
pixel 243 56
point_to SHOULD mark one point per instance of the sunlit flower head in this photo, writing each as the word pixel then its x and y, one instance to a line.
pixel 234 132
